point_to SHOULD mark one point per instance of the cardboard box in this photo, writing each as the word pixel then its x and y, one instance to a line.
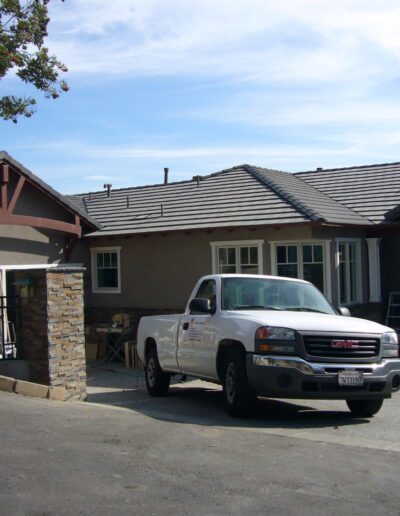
pixel 92 350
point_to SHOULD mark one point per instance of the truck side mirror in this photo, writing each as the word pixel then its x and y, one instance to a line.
pixel 201 305
pixel 344 311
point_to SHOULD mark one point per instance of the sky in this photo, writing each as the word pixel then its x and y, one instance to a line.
pixel 202 85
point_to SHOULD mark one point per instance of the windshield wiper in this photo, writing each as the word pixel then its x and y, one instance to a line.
pixel 304 309
pixel 255 307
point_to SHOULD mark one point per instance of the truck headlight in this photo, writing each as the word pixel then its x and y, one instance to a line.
pixel 390 345
pixel 268 337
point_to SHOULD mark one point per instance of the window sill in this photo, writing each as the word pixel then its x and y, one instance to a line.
pixel 106 291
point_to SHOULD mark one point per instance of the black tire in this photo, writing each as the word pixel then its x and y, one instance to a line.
pixel 157 382
pixel 238 397
pixel 364 408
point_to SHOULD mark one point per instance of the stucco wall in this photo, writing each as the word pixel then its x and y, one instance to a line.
pixel 159 272
pixel 25 245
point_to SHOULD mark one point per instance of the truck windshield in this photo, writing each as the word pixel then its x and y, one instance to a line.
pixel 269 294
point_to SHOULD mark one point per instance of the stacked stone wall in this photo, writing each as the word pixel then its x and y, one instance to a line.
pixel 65 327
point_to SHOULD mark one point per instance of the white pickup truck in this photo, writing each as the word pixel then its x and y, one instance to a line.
pixel 273 337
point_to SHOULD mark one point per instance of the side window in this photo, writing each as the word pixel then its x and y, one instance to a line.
pixel 208 290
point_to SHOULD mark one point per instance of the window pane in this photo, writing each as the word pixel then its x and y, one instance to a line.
pixel 342 253
pixel 99 259
pixel 114 261
pixel 318 254
pixel 249 269
pixel 314 273
pixel 353 281
pixel 207 289
pixel 107 278
pixel 253 255
pixel 291 271
pixel 222 256
pixel 281 254
pixel 342 282
pixel 292 253
pixel 107 261
pixel 227 269
pixel 307 253
pixel 244 255
pixel 231 255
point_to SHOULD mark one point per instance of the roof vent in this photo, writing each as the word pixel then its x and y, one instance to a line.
pixel 108 186
pixel 166 170
pixel 319 169
pixel 197 179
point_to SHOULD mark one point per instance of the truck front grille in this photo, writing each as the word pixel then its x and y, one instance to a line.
pixel 331 346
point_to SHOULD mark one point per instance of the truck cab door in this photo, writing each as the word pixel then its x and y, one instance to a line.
pixel 197 337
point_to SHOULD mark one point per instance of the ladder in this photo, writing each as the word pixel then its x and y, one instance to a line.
pixel 393 311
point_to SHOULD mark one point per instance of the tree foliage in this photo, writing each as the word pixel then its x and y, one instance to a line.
pixel 23 29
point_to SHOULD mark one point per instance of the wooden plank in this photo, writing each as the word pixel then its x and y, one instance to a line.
pixel 16 194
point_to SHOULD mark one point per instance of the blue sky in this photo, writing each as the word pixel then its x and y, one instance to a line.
pixel 202 85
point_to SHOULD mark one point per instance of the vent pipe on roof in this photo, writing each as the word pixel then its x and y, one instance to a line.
pixel 197 179
pixel 319 169
pixel 166 170
pixel 108 186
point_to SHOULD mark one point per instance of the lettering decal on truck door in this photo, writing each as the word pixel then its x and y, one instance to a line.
pixel 195 330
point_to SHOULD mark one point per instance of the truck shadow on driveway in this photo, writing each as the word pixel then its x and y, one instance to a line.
pixel 204 406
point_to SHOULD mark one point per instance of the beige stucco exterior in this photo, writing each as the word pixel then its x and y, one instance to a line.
pixel 159 272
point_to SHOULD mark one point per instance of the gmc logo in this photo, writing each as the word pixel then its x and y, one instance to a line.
pixel 345 344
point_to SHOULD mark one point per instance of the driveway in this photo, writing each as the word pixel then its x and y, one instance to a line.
pixel 200 403
pixel 85 458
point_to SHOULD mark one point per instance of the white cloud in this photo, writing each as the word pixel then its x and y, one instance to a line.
pixel 302 40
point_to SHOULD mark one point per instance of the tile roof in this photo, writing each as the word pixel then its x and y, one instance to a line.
pixel 372 190
pixel 239 196
pixel 313 203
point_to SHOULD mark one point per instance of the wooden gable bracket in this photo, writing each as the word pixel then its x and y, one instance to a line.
pixel 7 215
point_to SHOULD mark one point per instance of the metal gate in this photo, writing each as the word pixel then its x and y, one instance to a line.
pixel 10 324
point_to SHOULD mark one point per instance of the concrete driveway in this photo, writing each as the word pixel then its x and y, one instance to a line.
pixel 200 403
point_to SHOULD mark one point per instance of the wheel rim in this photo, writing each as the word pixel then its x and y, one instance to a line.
pixel 151 372
pixel 230 383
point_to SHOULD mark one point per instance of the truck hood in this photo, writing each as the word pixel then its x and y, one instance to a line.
pixel 309 321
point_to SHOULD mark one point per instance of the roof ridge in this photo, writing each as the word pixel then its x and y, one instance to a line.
pixel 140 187
pixel 49 190
pixel 355 167
pixel 258 173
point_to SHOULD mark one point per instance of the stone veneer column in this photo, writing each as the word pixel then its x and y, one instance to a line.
pixel 66 339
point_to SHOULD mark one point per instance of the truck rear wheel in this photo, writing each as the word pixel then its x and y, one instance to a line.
pixel 238 397
pixel 157 382
pixel 364 408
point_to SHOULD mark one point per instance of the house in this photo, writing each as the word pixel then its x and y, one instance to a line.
pixel 41 297
pixel 145 247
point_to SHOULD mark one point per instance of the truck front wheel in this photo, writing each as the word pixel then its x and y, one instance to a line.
pixel 238 397
pixel 157 382
pixel 364 408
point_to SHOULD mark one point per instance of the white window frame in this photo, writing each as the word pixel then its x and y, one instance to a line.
pixel 326 257
pixel 237 244
pixel 93 255
pixel 356 241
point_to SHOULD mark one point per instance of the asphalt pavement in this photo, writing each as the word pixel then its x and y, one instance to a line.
pixel 125 453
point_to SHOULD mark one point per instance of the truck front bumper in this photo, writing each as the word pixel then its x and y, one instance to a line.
pixel 294 377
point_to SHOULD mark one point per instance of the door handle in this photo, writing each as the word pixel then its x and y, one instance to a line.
pixel 185 326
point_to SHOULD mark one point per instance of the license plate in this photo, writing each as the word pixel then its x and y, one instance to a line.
pixel 351 378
